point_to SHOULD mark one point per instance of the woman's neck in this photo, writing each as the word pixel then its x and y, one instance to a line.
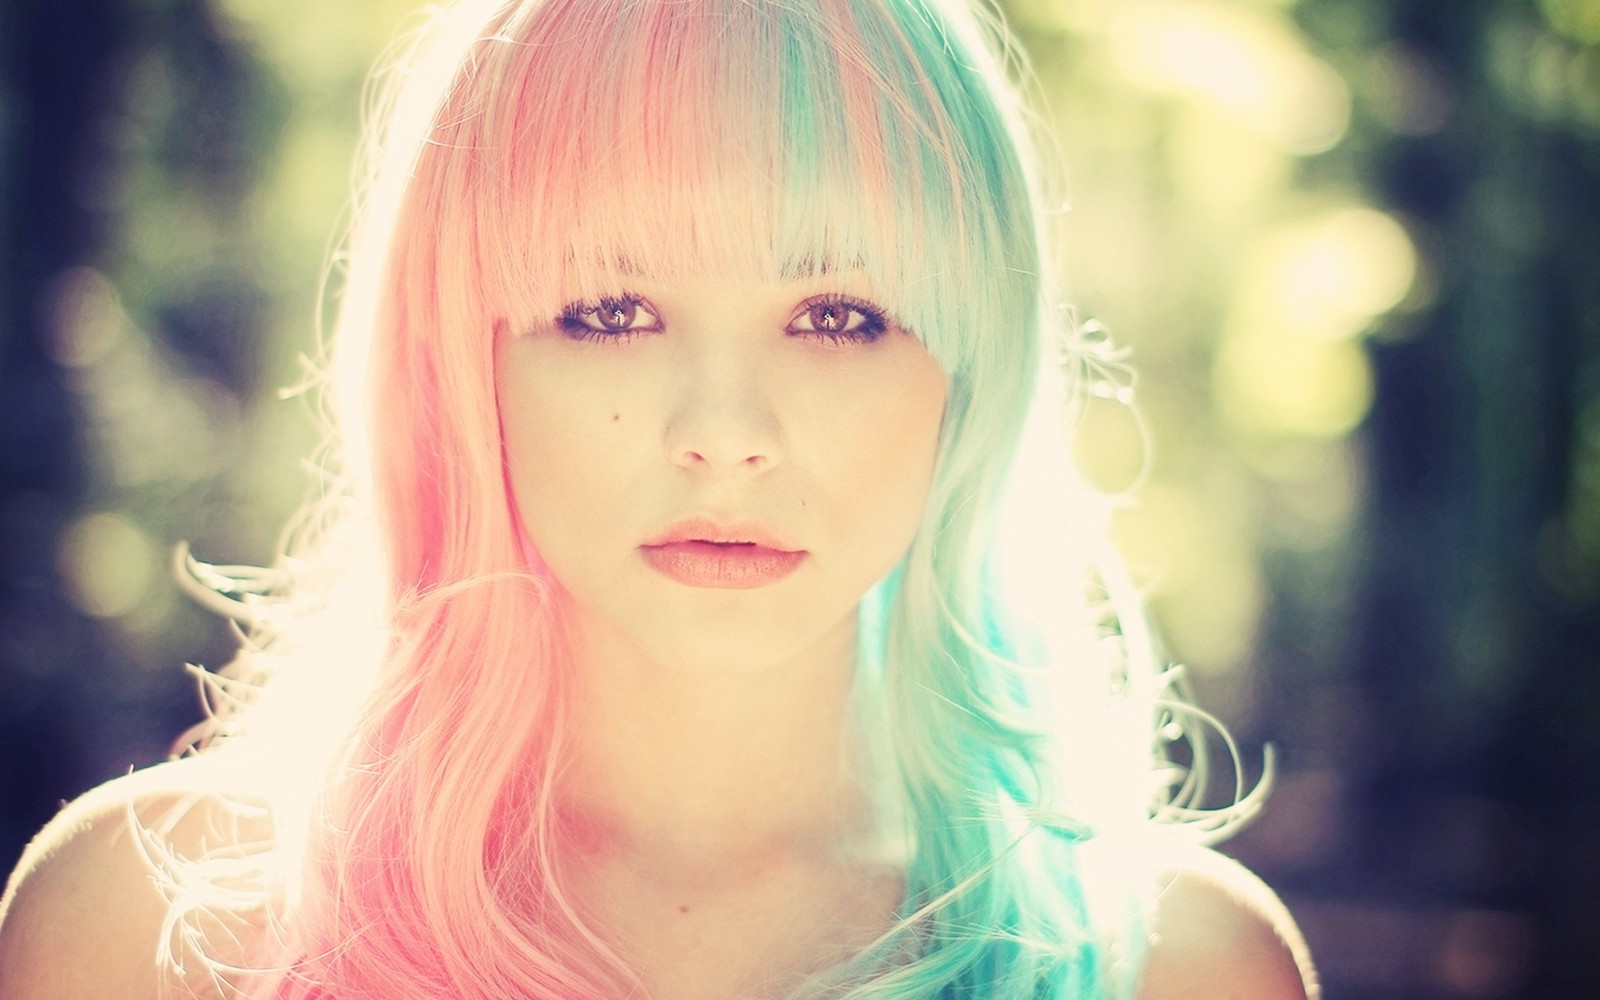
pixel 713 768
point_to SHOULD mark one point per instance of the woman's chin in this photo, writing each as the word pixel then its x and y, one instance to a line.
pixel 725 645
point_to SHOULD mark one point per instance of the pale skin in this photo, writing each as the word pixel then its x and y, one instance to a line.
pixel 713 773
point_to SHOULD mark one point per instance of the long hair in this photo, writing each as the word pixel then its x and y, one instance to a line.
pixel 400 704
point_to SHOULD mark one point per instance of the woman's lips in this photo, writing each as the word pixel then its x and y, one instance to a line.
pixel 725 565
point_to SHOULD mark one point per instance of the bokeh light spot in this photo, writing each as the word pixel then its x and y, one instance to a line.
pixel 1249 61
pixel 1112 445
pixel 1293 385
pixel 1206 586
pixel 108 564
pixel 1577 19
pixel 1354 264
pixel 1482 952
pixel 85 317
pixel 1407 92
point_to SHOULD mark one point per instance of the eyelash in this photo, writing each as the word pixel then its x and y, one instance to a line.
pixel 875 322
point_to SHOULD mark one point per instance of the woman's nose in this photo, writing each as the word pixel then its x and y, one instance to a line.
pixel 724 419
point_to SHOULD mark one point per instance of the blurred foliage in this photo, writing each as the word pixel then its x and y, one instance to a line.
pixel 232 129
pixel 1244 287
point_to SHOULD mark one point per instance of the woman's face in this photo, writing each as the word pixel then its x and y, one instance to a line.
pixel 714 471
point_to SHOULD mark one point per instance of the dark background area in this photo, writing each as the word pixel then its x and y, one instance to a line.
pixel 1422 651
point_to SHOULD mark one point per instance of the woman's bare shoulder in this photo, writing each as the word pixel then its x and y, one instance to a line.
pixel 84 912
pixel 1220 933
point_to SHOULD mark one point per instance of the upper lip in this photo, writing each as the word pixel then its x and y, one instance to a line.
pixel 707 529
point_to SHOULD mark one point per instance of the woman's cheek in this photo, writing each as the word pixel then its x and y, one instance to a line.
pixel 884 439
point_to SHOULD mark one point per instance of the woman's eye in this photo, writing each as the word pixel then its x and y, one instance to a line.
pixel 617 317
pixel 840 318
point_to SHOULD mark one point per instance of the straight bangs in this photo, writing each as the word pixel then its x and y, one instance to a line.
pixel 768 142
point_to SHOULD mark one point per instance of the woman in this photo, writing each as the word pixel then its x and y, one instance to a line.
pixel 707 609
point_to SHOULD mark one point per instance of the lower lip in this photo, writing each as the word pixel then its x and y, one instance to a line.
pixel 724 566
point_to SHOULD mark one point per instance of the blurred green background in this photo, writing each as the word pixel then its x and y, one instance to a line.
pixel 1354 247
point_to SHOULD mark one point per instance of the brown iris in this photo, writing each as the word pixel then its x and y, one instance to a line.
pixel 617 314
pixel 830 317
